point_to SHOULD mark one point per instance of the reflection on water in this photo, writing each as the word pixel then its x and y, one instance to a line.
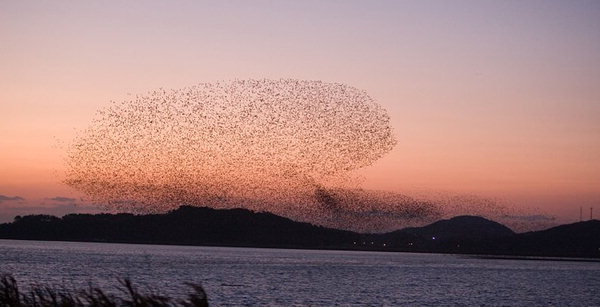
pixel 248 276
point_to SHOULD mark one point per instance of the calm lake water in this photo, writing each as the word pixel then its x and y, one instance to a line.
pixel 276 277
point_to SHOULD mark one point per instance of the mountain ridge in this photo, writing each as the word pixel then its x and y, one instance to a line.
pixel 189 225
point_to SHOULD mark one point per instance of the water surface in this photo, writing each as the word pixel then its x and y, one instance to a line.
pixel 252 276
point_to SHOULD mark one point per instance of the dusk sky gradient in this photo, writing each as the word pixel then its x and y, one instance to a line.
pixel 496 99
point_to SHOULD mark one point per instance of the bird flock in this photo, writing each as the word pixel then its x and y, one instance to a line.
pixel 290 147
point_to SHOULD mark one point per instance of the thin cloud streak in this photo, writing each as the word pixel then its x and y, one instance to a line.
pixel 63 199
pixel 4 198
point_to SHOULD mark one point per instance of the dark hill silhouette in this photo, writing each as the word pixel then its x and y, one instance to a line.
pixel 186 225
pixel 239 227
pixel 463 227
pixel 580 239
pixel 455 235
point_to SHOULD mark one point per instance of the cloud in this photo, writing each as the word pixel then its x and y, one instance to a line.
pixel 9 198
pixel 63 199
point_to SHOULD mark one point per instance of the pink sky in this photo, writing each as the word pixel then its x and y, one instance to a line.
pixel 496 99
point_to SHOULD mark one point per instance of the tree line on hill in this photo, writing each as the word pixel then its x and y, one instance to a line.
pixel 239 227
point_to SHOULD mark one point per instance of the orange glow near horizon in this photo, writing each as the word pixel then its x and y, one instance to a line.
pixel 498 100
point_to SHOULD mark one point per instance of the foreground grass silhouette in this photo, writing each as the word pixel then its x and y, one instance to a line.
pixel 11 296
